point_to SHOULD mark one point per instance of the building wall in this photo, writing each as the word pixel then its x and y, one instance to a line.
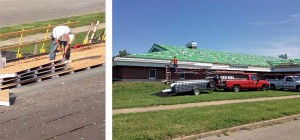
pixel 133 72
pixel 128 72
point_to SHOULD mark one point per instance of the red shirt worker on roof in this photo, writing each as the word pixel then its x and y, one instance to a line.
pixel 175 64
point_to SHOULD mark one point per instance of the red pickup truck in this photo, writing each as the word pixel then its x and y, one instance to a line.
pixel 249 82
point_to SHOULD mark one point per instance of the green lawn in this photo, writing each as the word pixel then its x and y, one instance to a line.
pixel 183 122
pixel 142 94
pixel 86 19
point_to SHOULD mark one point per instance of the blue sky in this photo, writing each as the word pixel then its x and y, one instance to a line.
pixel 263 27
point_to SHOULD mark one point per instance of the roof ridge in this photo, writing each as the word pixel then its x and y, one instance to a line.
pixel 166 52
pixel 216 51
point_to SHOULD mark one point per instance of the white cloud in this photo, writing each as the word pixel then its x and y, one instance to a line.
pixel 295 18
pixel 272 22
pixel 295 15
pixel 280 45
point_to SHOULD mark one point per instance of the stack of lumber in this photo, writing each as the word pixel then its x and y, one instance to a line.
pixel 40 68
pixel 33 75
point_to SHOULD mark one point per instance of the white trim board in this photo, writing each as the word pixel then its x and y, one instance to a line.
pixel 7 75
pixel 123 61
pixel 4 103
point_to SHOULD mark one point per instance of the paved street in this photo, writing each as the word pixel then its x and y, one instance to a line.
pixel 26 11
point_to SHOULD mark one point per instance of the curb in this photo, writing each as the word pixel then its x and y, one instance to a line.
pixel 242 127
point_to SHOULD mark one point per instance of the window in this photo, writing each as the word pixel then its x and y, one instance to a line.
pixel 182 76
pixel 254 78
pixel 152 74
pixel 289 79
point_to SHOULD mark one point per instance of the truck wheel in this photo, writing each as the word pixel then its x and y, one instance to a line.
pixel 265 88
pixel 272 87
pixel 298 88
pixel 197 91
pixel 236 88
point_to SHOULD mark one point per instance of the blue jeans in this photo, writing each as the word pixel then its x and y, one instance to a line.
pixel 175 66
pixel 53 49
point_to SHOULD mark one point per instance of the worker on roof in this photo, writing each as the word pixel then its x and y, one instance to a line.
pixel 62 38
pixel 175 64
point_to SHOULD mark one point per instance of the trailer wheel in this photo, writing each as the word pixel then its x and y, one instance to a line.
pixel 212 84
pixel 236 88
pixel 272 87
pixel 265 88
pixel 196 91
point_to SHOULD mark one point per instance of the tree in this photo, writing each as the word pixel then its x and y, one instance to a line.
pixel 123 53
pixel 284 56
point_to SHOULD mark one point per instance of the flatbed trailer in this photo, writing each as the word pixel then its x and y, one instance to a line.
pixel 195 86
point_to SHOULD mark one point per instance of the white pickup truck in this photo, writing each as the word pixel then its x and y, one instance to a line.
pixel 288 82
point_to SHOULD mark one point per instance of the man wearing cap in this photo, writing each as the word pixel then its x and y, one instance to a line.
pixel 62 38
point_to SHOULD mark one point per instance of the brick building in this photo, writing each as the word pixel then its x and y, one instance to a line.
pixel 152 65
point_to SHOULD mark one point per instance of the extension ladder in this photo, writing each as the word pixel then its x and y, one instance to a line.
pixel 168 75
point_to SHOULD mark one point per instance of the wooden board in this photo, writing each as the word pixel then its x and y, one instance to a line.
pixel 4 98
pixel 28 72
pixel 81 58
pixel 34 71
pixel 33 78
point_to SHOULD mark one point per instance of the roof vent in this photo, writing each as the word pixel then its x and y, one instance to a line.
pixel 191 45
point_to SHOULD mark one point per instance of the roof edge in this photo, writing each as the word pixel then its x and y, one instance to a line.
pixel 156 46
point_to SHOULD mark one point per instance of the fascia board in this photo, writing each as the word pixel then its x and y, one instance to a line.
pixel 156 62
pixel 189 65
pixel 182 64
pixel 227 67
pixel 297 69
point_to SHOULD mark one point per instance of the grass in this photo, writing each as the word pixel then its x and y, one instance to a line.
pixel 84 20
pixel 143 94
pixel 78 40
pixel 183 122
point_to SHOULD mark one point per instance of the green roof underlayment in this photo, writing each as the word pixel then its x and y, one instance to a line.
pixel 166 52
pixel 285 62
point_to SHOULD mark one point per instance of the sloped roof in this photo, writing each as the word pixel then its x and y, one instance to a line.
pixel 166 52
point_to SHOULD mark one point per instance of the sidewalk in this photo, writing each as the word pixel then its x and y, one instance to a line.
pixel 200 104
pixel 287 131
pixel 41 36
pixel 284 128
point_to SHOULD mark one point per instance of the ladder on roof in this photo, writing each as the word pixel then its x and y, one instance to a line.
pixel 168 75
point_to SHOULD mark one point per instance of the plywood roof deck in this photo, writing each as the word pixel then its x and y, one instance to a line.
pixel 81 58
pixel 4 98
